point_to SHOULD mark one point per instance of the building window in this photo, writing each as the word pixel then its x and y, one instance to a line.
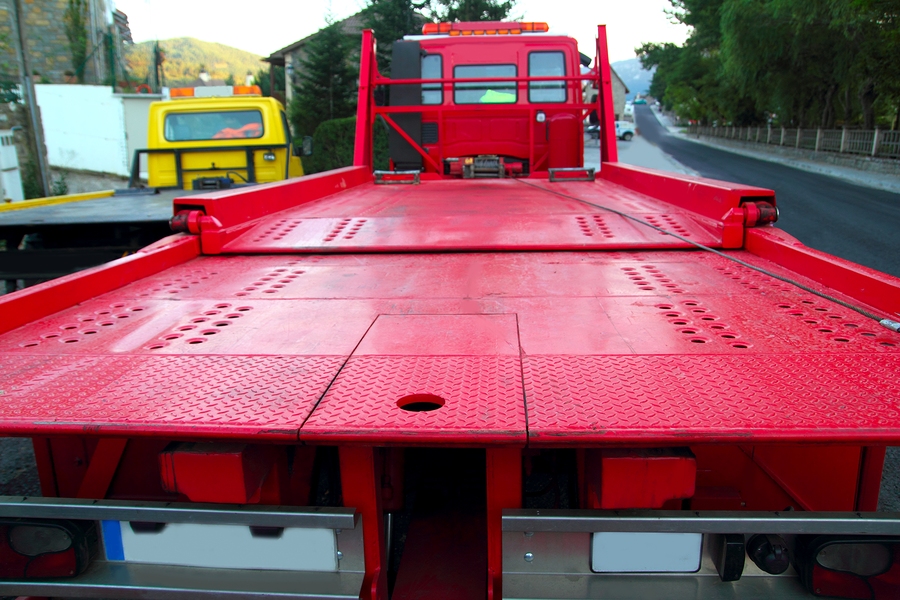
pixel 432 68
pixel 546 64
pixel 484 92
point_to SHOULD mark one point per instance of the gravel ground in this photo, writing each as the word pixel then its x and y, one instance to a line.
pixel 18 472
pixel 889 499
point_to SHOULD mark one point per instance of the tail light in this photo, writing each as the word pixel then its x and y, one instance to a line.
pixel 38 549
pixel 851 567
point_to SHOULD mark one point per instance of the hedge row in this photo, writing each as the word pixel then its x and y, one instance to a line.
pixel 333 145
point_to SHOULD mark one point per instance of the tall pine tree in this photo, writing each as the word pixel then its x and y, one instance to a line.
pixel 326 80
pixel 391 20
pixel 472 10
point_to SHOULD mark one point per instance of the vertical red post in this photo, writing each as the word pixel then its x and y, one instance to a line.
pixel 606 111
pixel 504 490
pixel 362 151
pixel 362 490
pixel 871 467
pixel 46 474
pixel 102 468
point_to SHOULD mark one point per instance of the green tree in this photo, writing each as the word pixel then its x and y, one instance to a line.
pixel 472 10
pixel 75 19
pixel 799 62
pixel 262 80
pixel 391 20
pixel 326 85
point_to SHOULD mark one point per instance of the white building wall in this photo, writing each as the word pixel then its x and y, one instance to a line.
pixel 84 128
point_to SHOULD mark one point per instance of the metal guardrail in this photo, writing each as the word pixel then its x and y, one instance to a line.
pixel 877 143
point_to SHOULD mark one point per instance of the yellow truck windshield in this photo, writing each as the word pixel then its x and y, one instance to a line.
pixel 220 125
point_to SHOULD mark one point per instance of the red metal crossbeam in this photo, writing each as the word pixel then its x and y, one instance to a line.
pixel 410 141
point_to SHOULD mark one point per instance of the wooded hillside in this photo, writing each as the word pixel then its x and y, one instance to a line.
pixel 185 57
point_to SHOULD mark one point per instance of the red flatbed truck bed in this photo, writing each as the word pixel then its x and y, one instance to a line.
pixel 513 320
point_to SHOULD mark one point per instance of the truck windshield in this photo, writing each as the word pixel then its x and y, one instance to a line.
pixel 196 126
pixel 487 92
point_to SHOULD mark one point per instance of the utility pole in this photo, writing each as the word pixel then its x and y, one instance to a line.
pixel 37 130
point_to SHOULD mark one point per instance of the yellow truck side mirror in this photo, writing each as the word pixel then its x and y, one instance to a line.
pixel 306 146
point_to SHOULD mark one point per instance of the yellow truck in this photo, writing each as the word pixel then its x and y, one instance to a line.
pixel 200 139
pixel 217 138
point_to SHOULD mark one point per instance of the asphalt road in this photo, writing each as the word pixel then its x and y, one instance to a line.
pixel 856 223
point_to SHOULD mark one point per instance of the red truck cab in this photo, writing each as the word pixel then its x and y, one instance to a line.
pixel 487 100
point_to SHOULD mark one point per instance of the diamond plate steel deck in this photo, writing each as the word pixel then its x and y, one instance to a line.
pixel 670 399
pixel 482 394
pixel 491 215
pixel 469 363
pixel 593 347
pixel 234 396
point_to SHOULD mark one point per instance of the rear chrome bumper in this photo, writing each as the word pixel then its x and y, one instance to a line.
pixel 121 579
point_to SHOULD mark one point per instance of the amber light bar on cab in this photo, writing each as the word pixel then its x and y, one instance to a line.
pixel 215 91
pixel 484 28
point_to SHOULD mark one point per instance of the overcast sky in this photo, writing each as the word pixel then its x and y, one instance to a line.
pixel 264 27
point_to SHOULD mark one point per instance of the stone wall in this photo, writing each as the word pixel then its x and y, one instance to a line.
pixel 46 42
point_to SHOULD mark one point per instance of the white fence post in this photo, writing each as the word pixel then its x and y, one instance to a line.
pixel 768 133
pixel 781 143
pixel 799 137
pixel 818 139
pixel 843 138
pixel 876 141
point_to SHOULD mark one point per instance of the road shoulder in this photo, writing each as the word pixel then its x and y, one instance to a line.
pixel 878 181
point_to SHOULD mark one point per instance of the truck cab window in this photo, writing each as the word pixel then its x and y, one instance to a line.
pixel 192 127
pixel 546 64
pixel 484 92
pixel 432 68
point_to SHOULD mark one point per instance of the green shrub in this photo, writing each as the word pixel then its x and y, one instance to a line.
pixel 333 145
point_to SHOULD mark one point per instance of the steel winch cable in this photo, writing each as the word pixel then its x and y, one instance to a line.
pixel 887 323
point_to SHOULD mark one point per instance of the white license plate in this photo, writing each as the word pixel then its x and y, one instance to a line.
pixel 222 547
pixel 623 552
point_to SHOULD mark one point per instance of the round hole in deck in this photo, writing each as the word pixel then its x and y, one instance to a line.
pixel 420 402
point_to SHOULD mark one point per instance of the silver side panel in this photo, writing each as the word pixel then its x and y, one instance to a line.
pixel 547 553
pixel 133 580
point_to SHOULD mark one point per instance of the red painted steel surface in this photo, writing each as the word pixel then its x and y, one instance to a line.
pixel 546 348
pixel 646 478
pixel 482 215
